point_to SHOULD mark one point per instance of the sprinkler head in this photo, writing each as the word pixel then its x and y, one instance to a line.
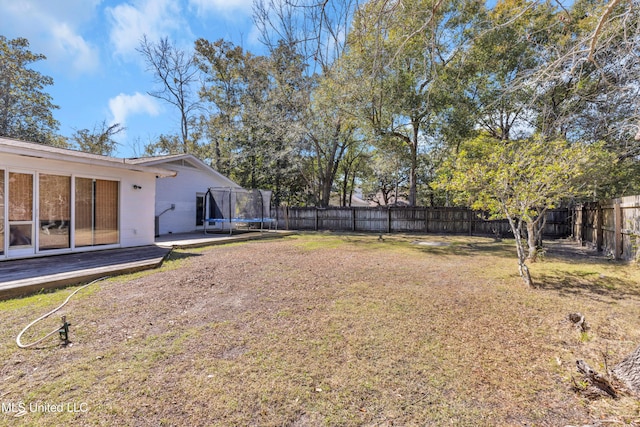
pixel 64 331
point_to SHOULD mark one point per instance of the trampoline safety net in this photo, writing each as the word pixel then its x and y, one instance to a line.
pixel 237 205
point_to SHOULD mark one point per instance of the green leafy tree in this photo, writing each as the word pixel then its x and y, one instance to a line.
pixel 401 54
pixel 519 180
pixel 332 132
pixel 315 32
pixel 388 179
pixel 26 110
pixel 223 66
pixel 353 168
pixel 496 68
pixel 100 140
pixel 256 111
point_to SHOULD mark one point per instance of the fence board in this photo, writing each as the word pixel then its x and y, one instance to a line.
pixel 612 226
pixel 618 228
pixel 411 220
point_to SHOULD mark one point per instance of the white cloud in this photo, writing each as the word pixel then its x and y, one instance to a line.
pixel 123 106
pixel 155 18
pixel 66 43
pixel 52 29
pixel 204 7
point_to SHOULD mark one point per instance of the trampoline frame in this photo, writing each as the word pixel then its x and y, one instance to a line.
pixel 231 219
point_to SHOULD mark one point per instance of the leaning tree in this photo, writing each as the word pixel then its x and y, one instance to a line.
pixel 519 181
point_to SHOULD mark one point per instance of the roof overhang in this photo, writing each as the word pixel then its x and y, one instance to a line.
pixel 41 151
pixel 193 160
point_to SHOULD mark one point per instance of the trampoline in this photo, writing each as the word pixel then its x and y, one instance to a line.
pixel 237 206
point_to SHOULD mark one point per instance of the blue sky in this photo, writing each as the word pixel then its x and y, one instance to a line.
pixel 98 75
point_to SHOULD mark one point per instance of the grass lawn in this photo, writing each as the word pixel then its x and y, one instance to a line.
pixel 328 330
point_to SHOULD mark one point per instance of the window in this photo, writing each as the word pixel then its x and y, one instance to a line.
pixel 54 211
pixel 96 204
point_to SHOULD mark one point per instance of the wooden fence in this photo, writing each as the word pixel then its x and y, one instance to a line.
pixel 612 226
pixel 410 219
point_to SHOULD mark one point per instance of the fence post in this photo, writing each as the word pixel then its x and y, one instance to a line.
pixel 583 231
pixel 426 219
pixel 617 225
pixel 286 217
pixel 389 220
pixel 578 224
pixel 315 218
pixel 599 224
pixel 470 217
pixel 353 218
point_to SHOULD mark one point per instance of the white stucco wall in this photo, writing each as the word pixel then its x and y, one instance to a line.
pixel 181 191
pixel 137 216
pixel 136 206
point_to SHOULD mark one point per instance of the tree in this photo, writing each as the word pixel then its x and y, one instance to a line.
pixel 26 110
pixel 585 83
pixel 97 141
pixel 284 122
pixel 401 53
pixel 315 34
pixel 388 179
pixel 222 64
pixel 505 52
pixel 255 114
pixel 332 132
pixel 519 180
pixel 353 168
pixel 591 75
pixel 316 30
pixel 175 70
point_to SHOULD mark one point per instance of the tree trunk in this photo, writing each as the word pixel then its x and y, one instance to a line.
pixel 532 241
pixel 522 266
pixel 413 176
pixel 352 187
pixel 345 187
pixel 218 156
pixel 628 371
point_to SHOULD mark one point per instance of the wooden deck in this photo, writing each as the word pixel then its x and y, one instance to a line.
pixel 26 276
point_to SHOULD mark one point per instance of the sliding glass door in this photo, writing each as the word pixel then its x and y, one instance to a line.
pixel 41 212
pixel 21 214
pixel 96 212
pixel 54 212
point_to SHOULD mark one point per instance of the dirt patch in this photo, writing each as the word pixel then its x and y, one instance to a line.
pixel 313 330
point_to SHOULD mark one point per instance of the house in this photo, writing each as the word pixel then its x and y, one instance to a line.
pixel 54 200
pixel 180 200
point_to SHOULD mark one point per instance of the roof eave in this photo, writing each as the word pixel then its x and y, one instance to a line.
pixel 81 158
